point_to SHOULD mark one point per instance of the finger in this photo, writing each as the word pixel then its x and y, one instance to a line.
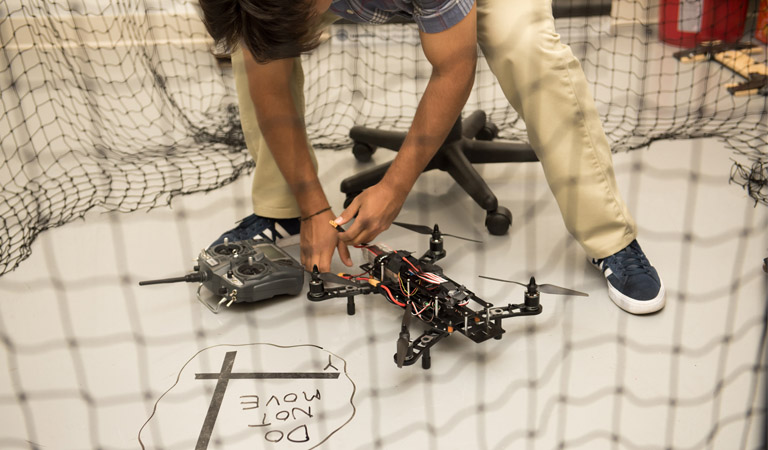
pixel 323 264
pixel 303 256
pixel 344 254
pixel 350 212
pixel 365 237
pixel 306 261
pixel 362 231
pixel 351 235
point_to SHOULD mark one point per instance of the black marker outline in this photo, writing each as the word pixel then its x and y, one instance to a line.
pixel 222 381
pixel 218 396
pixel 268 375
pixel 178 378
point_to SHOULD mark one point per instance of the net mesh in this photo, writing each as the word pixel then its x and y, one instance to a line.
pixel 105 107
pixel 119 106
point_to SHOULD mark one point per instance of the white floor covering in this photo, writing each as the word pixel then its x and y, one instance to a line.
pixel 88 354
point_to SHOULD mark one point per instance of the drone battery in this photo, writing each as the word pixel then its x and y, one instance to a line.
pixel 373 251
pixel 377 255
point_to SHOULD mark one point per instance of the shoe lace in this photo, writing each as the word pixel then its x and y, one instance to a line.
pixel 247 221
pixel 241 231
pixel 632 261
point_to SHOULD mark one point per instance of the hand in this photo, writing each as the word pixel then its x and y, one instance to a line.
pixel 375 208
pixel 318 241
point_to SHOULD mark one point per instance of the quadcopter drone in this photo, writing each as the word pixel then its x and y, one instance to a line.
pixel 254 270
pixel 422 290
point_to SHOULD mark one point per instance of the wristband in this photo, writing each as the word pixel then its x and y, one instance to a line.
pixel 304 219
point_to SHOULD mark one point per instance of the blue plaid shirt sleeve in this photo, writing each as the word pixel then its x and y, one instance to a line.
pixel 431 16
pixel 436 16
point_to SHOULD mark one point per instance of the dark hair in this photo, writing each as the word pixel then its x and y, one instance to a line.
pixel 269 29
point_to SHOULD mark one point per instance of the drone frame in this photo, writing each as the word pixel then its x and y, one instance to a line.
pixel 478 325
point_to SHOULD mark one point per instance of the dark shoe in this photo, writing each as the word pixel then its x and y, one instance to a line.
pixel 633 283
pixel 257 227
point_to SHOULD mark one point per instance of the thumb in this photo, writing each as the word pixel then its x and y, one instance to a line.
pixel 349 213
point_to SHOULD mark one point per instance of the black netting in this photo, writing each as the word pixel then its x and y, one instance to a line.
pixel 121 106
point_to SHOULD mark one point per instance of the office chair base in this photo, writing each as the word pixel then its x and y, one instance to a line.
pixel 498 221
pixel 470 141
pixel 363 151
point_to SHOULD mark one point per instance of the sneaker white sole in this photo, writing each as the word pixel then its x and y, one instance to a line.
pixel 280 236
pixel 633 306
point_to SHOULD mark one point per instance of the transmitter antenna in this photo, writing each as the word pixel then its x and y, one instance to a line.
pixel 189 278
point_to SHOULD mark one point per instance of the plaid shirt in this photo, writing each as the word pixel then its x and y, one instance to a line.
pixel 432 16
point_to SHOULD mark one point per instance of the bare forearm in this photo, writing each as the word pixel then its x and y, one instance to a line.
pixel 284 132
pixel 285 135
pixel 453 55
pixel 441 104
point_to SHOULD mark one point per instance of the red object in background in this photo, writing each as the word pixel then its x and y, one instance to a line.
pixel 761 27
pixel 686 23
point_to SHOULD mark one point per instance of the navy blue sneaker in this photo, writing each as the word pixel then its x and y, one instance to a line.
pixel 255 227
pixel 633 283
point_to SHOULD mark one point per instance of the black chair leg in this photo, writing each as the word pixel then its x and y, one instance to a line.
pixel 467 143
pixel 486 152
pixel 356 183
pixel 473 124
pixel 392 140
pixel 459 167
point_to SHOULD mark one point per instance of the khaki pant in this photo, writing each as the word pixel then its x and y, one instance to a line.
pixel 545 84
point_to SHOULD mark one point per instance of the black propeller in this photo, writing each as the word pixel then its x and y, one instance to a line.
pixel 545 288
pixel 423 229
pixel 328 277
pixel 404 340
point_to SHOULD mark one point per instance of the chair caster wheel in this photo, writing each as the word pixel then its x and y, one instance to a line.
pixel 489 132
pixel 351 196
pixel 498 221
pixel 363 151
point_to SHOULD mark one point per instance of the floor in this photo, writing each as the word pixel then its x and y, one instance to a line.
pixel 92 360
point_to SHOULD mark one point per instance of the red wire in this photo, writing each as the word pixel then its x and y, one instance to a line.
pixel 361 274
pixel 392 297
pixel 411 264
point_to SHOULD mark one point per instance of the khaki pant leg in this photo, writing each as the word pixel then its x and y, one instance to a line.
pixel 546 85
pixel 270 193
